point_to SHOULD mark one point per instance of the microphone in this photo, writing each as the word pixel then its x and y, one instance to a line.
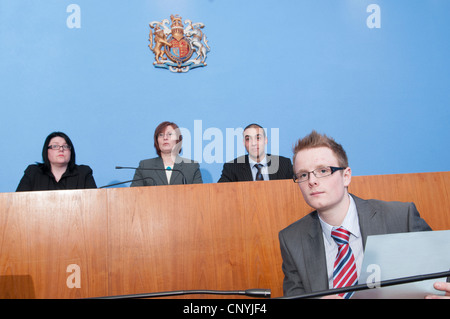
pixel 155 169
pixel 131 180
pixel 380 284
pixel 257 293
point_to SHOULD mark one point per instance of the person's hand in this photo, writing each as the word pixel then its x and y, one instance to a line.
pixel 442 286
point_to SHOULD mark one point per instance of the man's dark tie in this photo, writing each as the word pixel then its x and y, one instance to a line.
pixel 259 176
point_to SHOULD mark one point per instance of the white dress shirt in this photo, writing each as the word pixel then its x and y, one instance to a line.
pixel 264 170
pixel 168 173
pixel 350 223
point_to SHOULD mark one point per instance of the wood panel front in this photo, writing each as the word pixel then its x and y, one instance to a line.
pixel 42 233
pixel 189 237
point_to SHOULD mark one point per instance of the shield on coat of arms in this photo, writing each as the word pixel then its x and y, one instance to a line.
pixel 180 50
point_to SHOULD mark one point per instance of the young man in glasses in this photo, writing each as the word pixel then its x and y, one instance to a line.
pixel 308 247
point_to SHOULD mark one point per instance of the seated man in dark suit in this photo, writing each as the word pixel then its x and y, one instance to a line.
pixel 257 165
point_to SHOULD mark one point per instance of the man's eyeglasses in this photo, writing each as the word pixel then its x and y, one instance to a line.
pixel 301 177
pixel 58 147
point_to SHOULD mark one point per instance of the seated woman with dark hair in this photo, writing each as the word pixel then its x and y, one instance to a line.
pixel 168 168
pixel 58 170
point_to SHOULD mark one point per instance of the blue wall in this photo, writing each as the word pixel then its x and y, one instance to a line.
pixel 290 65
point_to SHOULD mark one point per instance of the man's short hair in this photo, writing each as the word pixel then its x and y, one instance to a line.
pixel 315 140
pixel 254 125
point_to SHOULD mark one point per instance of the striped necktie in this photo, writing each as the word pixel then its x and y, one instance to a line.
pixel 259 176
pixel 344 273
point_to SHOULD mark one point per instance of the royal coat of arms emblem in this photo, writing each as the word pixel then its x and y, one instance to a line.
pixel 178 47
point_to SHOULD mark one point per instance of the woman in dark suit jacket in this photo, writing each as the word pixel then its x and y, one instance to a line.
pixel 168 168
pixel 58 170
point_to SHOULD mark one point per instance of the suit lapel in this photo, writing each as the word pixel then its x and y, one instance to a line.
pixel 369 219
pixel 269 163
pixel 245 170
pixel 272 175
pixel 316 262
pixel 161 173
pixel 176 177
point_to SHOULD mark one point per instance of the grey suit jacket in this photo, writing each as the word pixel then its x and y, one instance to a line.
pixel 302 247
pixel 151 172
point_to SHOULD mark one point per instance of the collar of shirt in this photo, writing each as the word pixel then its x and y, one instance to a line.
pixel 252 162
pixel 351 223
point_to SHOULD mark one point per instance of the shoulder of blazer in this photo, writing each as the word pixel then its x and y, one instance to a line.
pixel 239 160
pixel 183 160
pixel 372 206
pixel 284 167
pixel 152 162
pixel 305 225
pixel 381 217
pixel 283 161
pixel 279 156
pixel 238 163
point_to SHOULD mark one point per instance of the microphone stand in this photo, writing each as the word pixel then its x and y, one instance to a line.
pixel 380 284
pixel 155 169
pixel 131 180
pixel 257 293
